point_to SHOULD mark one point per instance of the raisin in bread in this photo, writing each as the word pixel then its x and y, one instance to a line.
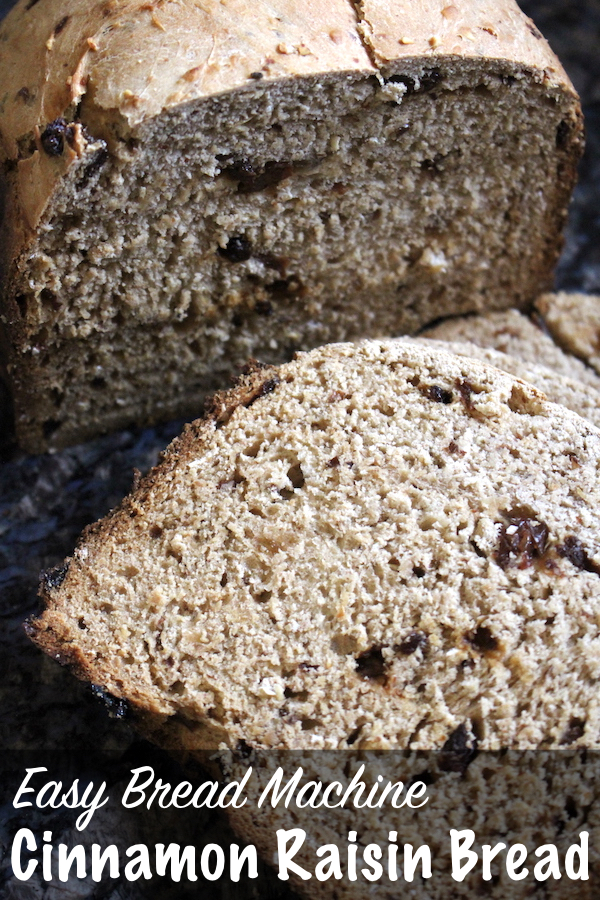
pixel 372 545
pixel 190 184
pixel 581 398
pixel 574 322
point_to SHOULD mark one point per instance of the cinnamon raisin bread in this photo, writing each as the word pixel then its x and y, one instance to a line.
pixel 189 184
pixel 574 322
pixel 373 545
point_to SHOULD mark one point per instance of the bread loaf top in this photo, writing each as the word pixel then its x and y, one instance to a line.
pixel 109 65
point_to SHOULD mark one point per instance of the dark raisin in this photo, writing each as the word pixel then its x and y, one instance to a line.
pixel 61 25
pixel 238 249
pixel 438 394
pixel 419 572
pixel 116 706
pixel 521 540
pixel 256 75
pixel 54 135
pixel 458 751
pixel 483 639
pixel 575 552
pixel 415 641
pixel 267 387
pixel 371 664
pixel 53 578
pixel 575 731
pixel 333 463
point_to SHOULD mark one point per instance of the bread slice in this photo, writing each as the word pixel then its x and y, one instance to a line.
pixel 518 336
pixel 581 398
pixel 574 322
pixel 374 545
pixel 191 185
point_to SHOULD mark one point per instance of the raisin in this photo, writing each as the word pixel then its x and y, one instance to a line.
pixel 238 249
pixel 419 572
pixel 575 552
pixel 333 463
pixel 483 639
pixel 521 540
pixel 412 643
pixel 256 75
pixel 371 664
pixel 458 751
pixel 53 137
pixel 438 394
pixel 53 578
pixel 116 706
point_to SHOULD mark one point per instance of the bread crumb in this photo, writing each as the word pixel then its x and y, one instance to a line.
pixel 405 40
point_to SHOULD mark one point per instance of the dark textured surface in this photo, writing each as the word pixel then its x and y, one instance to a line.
pixel 46 501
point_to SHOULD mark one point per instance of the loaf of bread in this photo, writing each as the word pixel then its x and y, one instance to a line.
pixel 573 320
pixel 374 546
pixel 190 184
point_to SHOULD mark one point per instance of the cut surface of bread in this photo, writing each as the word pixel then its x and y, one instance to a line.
pixel 574 322
pixel 515 334
pixel 258 178
pixel 581 398
pixel 373 545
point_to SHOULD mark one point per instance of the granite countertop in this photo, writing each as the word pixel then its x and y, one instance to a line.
pixel 45 501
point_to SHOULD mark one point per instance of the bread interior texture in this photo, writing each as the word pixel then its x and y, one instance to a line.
pixel 281 217
pixel 371 547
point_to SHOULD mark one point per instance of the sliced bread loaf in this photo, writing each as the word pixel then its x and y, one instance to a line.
pixel 190 184
pixel 518 336
pixel 373 545
pixel 574 322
